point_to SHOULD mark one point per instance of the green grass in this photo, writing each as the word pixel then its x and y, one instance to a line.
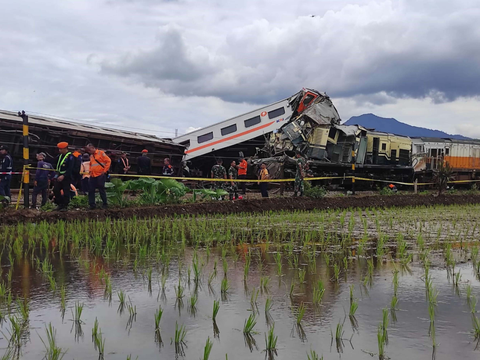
pixel 353 307
pixel 77 313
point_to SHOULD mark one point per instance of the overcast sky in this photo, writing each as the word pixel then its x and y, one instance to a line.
pixel 176 64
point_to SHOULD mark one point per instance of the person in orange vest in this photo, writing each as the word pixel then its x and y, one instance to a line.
pixel 99 166
pixel 242 173
pixel 392 187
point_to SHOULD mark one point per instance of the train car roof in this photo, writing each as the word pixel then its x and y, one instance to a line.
pixel 446 140
pixel 11 116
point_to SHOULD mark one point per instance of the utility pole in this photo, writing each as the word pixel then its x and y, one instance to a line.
pixel 26 156
pixel 353 171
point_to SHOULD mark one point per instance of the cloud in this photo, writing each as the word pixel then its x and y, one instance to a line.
pixel 401 49
pixel 157 66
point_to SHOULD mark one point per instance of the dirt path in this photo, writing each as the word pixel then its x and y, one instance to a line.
pixel 228 207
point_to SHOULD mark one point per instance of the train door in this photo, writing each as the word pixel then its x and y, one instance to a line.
pixel 376 148
pixel 306 101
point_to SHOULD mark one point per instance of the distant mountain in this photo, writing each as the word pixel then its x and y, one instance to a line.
pixel 394 126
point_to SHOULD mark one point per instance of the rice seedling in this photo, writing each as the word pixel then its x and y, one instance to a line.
pixel 193 303
pixel 99 343
pixel 301 275
pixel 24 309
pixel 339 332
pixel 473 304
pixel 278 261
pixel 385 320
pixel 52 351
pixel 62 298
pixel 207 349
pixel 393 303
pixel 16 331
pixel 180 333
pixel 353 307
pixel 395 281
pixel 108 288
pixel 158 318
pixel 249 324
pixel 271 341
pixel 246 268
pixel 121 298
pixel 268 305
pixel 318 292
pixel 179 291
pixel 476 327
pixel 300 313
pixel 264 281
pixel 381 342
pixel 254 299
pixel 313 355
pixel 95 329
pixel 216 308
pixel 336 271
pixel 224 286
pixel 77 313
pixel 469 293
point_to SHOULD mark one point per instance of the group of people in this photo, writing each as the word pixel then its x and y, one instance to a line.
pixel 239 171
pixel 73 171
pixel 88 171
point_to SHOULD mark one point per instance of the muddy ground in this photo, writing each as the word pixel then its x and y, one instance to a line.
pixel 11 216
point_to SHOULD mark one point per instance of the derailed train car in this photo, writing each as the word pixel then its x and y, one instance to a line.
pixel 331 148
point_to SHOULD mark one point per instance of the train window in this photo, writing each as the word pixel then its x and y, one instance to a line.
pixel 384 146
pixel 447 151
pixel 253 121
pixel 332 133
pixel 229 129
pixel 307 99
pixel 205 137
pixel 276 113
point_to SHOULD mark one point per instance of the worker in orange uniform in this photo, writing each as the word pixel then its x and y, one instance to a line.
pixel 263 175
pixel 242 173
pixel 99 166
pixel 392 187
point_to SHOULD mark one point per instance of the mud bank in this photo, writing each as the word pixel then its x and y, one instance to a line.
pixel 242 206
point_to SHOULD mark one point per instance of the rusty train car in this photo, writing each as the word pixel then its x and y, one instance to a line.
pixel 463 156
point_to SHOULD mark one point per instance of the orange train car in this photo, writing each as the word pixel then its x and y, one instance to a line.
pixel 462 155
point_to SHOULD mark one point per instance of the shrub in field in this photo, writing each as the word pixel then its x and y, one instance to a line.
pixel 116 192
pixel 442 176
pixel 315 192
pixel 158 191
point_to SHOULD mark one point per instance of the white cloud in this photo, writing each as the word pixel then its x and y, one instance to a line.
pixel 207 61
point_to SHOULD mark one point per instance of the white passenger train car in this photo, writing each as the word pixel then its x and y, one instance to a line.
pixel 236 130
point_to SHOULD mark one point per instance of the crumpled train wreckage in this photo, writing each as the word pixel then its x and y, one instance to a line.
pixel 315 131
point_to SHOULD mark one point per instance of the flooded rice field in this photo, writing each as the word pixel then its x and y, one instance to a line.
pixel 349 284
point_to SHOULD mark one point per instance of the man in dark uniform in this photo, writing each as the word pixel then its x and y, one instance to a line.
pixel 63 176
pixel 144 165
pixel 167 168
pixel 7 166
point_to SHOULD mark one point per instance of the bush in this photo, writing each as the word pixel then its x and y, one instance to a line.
pixel 315 192
pixel 386 191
